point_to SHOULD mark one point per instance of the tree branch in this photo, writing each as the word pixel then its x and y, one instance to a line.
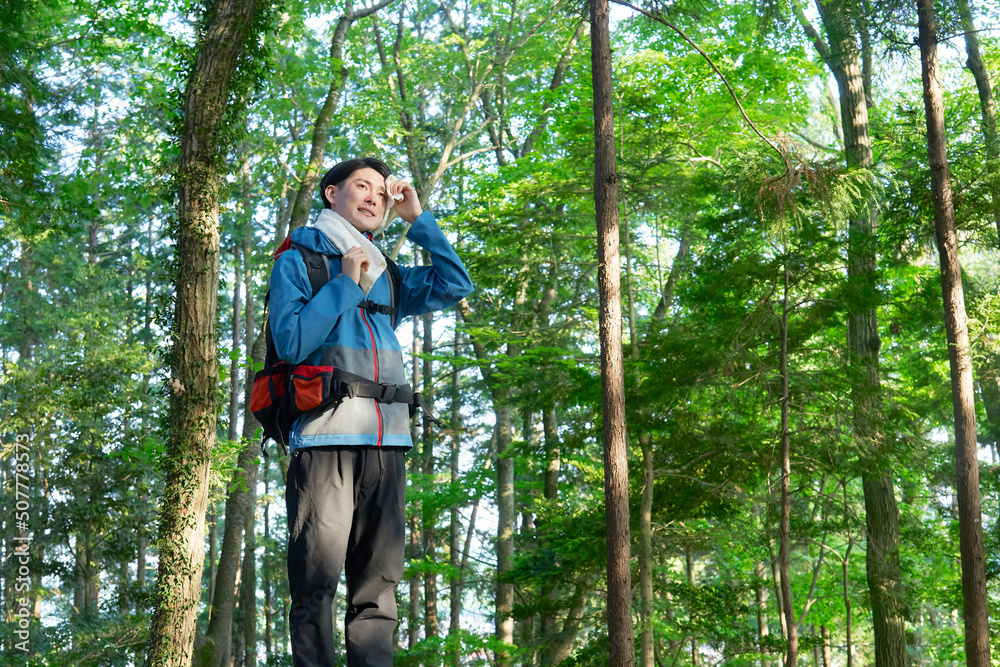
pixel 656 17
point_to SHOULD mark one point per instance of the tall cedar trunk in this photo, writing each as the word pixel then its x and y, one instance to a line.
pixel 239 506
pixel 213 551
pixel 845 573
pixel 621 648
pixel 553 460
pixel 776 580
pixel 550 430
pixel 525 628
pixel 413 629
pixel 974 599
pixel 881 512
pixel 220 625
pixel 234 366
pixel 646 658
pixel 633 334
pixel 428 514
pixel 646 641
pixel 195 374
pixel 784 524
pixel 667 293
pixel 248 591
pixel 760 601
pixel 455 527
pixel 266 574
pixel 689 570
pixel 505 533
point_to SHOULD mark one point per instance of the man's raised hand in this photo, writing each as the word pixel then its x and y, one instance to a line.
pixel 408 208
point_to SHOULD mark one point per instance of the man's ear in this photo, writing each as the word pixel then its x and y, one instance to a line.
pixel 330 192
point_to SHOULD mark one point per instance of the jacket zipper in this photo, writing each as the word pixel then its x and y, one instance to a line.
pixel 378 410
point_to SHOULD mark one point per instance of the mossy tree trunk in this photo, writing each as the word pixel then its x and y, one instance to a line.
pixel 228 27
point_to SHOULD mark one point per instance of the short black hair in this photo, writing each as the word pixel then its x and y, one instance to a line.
pixel 340 172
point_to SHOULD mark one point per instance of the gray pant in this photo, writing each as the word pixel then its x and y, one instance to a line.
pixel 345 510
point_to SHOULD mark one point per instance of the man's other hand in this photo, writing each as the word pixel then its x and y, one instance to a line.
pixel 408 208
pixel 354 262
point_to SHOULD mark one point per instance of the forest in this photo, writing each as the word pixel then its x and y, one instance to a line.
pixel 804 308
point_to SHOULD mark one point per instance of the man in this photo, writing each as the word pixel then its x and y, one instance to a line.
pixel 346 479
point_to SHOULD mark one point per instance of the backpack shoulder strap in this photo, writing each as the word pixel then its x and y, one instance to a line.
pixel 395 280
pixel 317 267
pixel 394 273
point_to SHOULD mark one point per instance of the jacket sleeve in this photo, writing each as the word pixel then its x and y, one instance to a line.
pixel 301 323
pixel 428 288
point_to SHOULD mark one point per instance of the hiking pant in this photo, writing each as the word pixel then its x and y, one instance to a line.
pixel 345 510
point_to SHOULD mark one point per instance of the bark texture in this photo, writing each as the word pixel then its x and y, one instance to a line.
pixel 228 28
pixel 619 607
pixel 974 599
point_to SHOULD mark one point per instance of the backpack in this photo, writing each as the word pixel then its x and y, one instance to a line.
pixel 274 400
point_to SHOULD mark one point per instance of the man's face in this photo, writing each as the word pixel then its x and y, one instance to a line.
pixel 361 199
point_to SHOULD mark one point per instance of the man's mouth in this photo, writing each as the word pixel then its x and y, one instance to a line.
pixel 367 211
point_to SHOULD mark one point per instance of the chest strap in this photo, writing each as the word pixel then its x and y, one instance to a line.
pixel 373 307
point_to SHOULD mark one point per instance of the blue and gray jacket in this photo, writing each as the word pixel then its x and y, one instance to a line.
pixel 330 330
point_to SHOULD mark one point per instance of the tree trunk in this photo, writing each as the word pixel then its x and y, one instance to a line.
pixel 412 624
pixel 213 552
pixel 616 495
pixel 784 525
pixel 882 514
pixel 692 582
pixel 974 598
pixel 266 574
pixel 760 600
pixel 845 573
pixel 195 376
pixel 505 534
pixel 455 532
pixel 553 463
pixel 667 293
pixel 776 580
pixel 646 554
pixel 248 592
pixel 234 365
pixel 238 505
pixel 429 515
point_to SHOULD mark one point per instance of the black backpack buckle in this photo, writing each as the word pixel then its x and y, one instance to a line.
pixel 388 393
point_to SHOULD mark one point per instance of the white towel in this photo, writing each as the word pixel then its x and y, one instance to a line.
pixel 389 180
pixel 344 236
